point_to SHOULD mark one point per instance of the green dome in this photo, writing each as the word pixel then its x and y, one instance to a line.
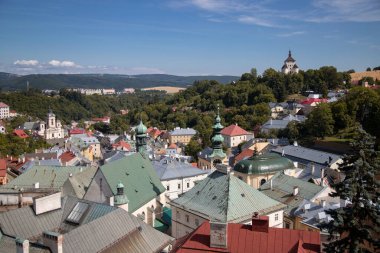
pixel 263 164
pixel 119 185
pixel 141 128
pixel 217 138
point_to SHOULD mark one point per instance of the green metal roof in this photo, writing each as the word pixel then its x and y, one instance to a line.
pixel 225 198
pixel 282 190
pixel 263 164
pixel 136 173
pixel 47 176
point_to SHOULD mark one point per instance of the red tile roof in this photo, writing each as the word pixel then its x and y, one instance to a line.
pixel 233 130
pixel 122 144
pixel 309 101
pixel 77 131
pixel 2 105
pixel 244 154
pixel 155 132
pixel 20 133
pixel 172 146
pixel 67 156
pixel 3 167
pixel 241 239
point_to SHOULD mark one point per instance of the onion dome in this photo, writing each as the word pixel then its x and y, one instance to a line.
pixel 264 164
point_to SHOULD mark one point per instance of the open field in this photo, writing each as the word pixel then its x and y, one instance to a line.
pixel 359 75
pixel 168 89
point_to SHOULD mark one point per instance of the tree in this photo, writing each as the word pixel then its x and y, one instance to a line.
pixel 358 223
pixel 376 68
pixel 193 147
pixel 320 122
pixel 368 69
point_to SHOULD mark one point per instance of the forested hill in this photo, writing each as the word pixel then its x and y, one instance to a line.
pixel 58 81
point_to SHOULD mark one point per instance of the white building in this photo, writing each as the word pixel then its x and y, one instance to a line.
pixel 4 111
pixel 290 65
pixel 177 176
pixel 53 128
pixel 234 135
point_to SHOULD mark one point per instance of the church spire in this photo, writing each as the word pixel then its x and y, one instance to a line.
pixel 141 137
pixel 290 53
pixel 217 139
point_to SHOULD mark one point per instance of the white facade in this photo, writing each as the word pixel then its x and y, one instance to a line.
pixel 177 186
pixel 290 65
pixel 53 128
pixel 4 111
pixel 184 222
pixel 234 141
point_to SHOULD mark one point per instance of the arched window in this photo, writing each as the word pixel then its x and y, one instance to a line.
pixel 262 181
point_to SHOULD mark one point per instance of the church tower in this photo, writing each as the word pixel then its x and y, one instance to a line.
pixel 290 65
pixel 141 137
pixel 217 156
pixel 50 119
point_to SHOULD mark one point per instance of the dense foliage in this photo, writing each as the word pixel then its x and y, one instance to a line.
pixel 357 225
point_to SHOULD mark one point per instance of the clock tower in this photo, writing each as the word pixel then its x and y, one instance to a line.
pixel 217 156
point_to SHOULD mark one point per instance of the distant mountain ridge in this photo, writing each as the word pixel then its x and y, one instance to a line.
pixel 57 81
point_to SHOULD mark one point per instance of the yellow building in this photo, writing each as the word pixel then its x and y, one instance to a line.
pixel 182 135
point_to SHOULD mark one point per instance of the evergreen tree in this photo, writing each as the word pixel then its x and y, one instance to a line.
pixel 357 224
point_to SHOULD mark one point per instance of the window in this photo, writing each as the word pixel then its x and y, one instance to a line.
pixel 287 225
pixel 77 213
pixel 167 187
pixel 178 215
pixel 179 186
pixel 276 217
pixel 188 185
pixel 196 222
pixel 187 218
pixel 262 181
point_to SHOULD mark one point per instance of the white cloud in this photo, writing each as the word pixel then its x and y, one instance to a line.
pixel 290 34
pixel 26 62
pixel 255 21
pixel 57 63
pixel 346 10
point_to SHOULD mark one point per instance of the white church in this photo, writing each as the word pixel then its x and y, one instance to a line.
pixel 290 65
pixel 52 128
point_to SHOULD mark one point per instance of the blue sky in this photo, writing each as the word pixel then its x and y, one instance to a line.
pixel 186 37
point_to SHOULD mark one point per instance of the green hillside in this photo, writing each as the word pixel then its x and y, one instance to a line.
pixel 119 82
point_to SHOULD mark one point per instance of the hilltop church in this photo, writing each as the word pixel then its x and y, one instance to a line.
pixel 290 65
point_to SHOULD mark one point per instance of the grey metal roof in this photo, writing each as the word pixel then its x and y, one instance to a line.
pixel 307 154
pixel 170 168
pixel 275 124
pixel 205 153
pixel 282 190
pixel 183 131
pixel 78 183
pixel 52 177
pixel 103 229
pixel 312 216
pixel 225 198
pixel 8 244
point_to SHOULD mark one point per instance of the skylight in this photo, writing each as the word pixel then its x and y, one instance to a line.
pixel 77 212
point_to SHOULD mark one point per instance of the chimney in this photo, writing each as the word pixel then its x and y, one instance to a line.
pixel 218 235
pixel 306 208
pixel 342 203
pixel 323 203
pixel 110 201
pixel 295 144
pixel 295 190
pixel 22 246
pixel 53 241
pixel 312 169
pixel 37 185
pixel 322 176
pixel 260 223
